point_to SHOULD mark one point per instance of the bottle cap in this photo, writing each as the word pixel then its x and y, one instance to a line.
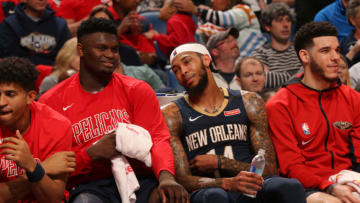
pixel 261 151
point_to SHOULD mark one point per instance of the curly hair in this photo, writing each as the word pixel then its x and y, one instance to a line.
pixel 19 71
pixel 305 35
pixel 101 9
pixel 96 25
pixel 275 10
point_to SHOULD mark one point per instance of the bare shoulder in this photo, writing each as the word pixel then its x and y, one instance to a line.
pixel 172 116
pixel 253 103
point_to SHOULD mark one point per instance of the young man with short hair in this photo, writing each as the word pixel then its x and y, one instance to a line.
pixel 35 140
pixel 314 119
pixel 95 100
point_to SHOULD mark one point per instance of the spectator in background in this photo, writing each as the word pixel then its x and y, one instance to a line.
pixel 250 74
pixel 129 29
pixel 279 55
pixel 350 46
pixel 335 13
pixel 224 50
pixel 33 32
pixel 354 73
pixel 222 15
pixel 343 71
pixel 76 11
pixel 67 62
pixel 180 28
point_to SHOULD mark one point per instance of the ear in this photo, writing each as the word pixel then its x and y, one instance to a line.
pixel 238 81
pixel 206 59
pixel 352 21
pixel 80 49
pixel 215 52
pixel 31 95
pixel 267 28
pixel 304 56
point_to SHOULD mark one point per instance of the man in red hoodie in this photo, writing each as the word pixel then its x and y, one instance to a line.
pixel 314 119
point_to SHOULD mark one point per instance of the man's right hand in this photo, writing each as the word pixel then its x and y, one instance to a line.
pixel 344 193
pixel 104 148
pixel 244 182
pixel 59 163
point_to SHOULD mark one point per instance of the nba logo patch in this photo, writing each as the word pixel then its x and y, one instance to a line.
pixel 175 52
pixel 305 128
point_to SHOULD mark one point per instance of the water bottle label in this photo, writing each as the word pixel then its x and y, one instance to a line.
pixel 253 169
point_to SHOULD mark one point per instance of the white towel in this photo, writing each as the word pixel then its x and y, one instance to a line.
pixel 135 142
pixel 350 178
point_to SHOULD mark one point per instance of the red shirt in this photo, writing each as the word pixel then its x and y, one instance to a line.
pixel 124 99
pixel 180 29
pixel 314 131
pixel 137 41
pixel 49 132
pixel 78 9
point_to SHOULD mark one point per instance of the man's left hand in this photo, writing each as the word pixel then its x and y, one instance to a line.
pixel 170 190
pixel 204 163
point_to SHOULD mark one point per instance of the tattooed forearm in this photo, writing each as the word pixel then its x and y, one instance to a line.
pixel 231 167
pixel 259 134
pixel 183 175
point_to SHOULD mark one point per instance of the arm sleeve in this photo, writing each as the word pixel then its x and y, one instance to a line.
pixel 240 16
pixel 276 79
pixel 147 114
pixel 66 10
pixel 177 34
pixel 291 162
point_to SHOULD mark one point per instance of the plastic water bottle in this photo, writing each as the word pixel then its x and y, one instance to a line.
pixel 257 165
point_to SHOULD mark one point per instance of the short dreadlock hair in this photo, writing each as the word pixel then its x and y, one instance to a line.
pixel 94 25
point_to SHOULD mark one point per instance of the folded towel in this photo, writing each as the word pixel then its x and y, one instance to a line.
pixel 135 142
pixel 350 178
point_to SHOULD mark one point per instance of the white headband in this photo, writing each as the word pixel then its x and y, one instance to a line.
pixel 192 47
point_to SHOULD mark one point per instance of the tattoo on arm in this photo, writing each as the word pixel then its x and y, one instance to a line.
pixel 259 134
pixel 231 167
pixel 183 175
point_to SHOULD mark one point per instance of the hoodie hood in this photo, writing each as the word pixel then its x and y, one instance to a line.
pixel 20 13
pixel 304 92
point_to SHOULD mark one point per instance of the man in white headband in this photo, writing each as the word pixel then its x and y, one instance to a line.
pixel 214 134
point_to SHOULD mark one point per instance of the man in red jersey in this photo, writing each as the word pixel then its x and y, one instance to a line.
pixel 314 119
pixel 34 139
pixel 95 100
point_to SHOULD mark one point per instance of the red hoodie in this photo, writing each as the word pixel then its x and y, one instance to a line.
pixel 315 132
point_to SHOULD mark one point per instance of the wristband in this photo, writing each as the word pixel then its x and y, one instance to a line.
pixel 37 174
pixel 219 162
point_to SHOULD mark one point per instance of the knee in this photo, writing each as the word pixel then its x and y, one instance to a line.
pixel 286 184
pixel 210 195
pixel 320 197
pixel 86 198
